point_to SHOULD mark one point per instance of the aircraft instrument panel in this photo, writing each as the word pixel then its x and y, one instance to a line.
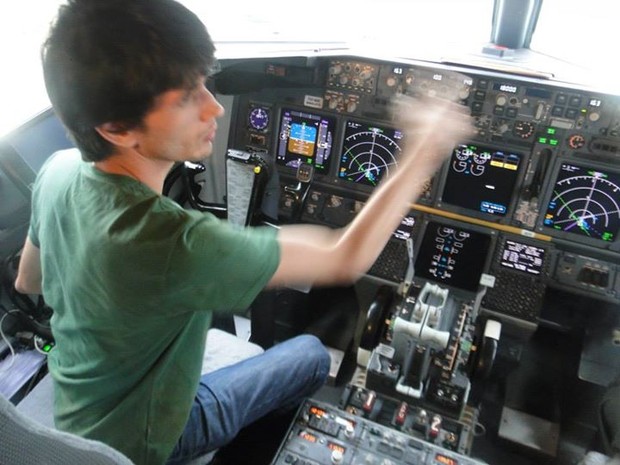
pixel 540 177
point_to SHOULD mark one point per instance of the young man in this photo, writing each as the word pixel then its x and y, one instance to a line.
pixel 133 278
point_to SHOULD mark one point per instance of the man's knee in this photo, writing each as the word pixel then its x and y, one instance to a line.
pixel 314 352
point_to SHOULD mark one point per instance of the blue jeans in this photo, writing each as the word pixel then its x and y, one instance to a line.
pixel 232 397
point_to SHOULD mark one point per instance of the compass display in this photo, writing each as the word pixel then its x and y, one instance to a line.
pixel 305 138
pixel 368 153
pixel 481 179
pixel 453 256
pixel 585 202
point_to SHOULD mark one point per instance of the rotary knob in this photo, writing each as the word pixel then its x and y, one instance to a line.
pixel 336 69
pixel 337 456
pixel 391 81
pixel 365 74
pixel 464 93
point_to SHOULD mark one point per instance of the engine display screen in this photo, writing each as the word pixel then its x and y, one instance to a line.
pixel 522 257
pixel 305 138
pixel 369 152
pixel 481 179
pixel 453 256
pixel 585 202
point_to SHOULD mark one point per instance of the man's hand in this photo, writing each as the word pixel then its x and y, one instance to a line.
pixel 432 127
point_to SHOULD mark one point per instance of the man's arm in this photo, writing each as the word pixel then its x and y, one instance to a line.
pixel 319 255
pixel 29 273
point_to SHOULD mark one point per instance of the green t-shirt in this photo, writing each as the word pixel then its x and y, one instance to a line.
pixel 133 280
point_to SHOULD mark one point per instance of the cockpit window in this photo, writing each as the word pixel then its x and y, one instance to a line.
pixel 23 27
pixel 583 34
pixel 577 36
pixel 392 26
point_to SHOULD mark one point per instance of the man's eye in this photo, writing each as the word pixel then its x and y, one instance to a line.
pixel 188 96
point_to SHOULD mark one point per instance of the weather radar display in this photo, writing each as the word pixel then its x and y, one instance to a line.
pixel 368 152
pixel 585 202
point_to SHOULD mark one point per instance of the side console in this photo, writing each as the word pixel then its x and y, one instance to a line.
pixel 324 434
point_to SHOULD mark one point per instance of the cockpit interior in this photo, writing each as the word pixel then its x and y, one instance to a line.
pixel 487 331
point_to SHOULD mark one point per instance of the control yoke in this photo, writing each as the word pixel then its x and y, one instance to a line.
pixel 296 194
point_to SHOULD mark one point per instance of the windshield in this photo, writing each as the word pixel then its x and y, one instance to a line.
pixel 569 34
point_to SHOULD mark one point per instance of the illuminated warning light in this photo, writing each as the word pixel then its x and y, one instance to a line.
pixel 401 415
pixel 336 447
pixel 370 402
pixel 445 460
pixel 307 436
pixel 319 412
pixel 607 236
pixel 548 141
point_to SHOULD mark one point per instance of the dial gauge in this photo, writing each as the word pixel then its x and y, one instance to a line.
pixel 576 141
pixel 259 118
pixel 524 129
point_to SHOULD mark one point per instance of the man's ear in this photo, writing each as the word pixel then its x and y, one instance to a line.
pixel 117 134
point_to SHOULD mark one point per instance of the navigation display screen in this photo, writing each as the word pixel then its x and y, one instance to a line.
pixel 522 257
pixel 585 202
pixel 453 256
pixel 305 138
pixel 369 152
pixel 481 179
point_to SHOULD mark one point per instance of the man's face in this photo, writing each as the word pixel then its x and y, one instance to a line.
pixel 181 126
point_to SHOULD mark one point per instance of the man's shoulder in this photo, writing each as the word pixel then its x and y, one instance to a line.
pixel 62 161
pixel 70 156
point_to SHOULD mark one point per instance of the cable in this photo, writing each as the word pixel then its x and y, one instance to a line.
pixel 6 340
pixel 34 315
